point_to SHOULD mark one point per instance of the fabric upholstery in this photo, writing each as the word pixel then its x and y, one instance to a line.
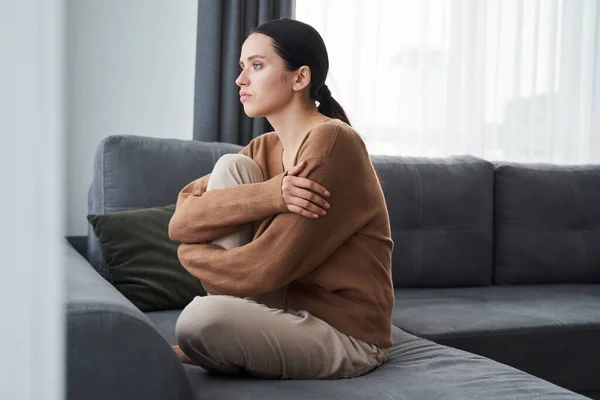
pixel 592 395
pixel 441 219
pixel 164 322
pixel 547 221
pixel 417 369
pixel 113 350
pixel 550 331
pixel 133 172
pixel 441 215
pixel 143 260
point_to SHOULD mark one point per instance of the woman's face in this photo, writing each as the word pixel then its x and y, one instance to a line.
pixel 265 84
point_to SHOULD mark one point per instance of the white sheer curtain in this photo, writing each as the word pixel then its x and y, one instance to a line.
pixel 515 80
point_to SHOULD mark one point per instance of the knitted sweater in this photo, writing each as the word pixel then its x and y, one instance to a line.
pixel 337 267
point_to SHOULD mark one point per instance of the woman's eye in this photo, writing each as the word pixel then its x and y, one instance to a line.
pixel 255 66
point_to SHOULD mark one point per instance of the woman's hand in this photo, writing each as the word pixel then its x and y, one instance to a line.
pixel 299 199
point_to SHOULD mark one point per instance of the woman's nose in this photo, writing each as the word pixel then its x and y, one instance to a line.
pixel 241 79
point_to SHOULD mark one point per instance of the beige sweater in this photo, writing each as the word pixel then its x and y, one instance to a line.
pixel 337 267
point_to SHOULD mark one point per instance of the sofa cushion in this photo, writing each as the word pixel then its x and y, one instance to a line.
pixel 441 218
pixel 164 322
pixel 143 260
pixel 550 331
pixel 132 172
pixel 417 369
pixel 547 223
pixel 112 350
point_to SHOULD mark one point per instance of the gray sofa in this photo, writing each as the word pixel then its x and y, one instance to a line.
pixel 496 268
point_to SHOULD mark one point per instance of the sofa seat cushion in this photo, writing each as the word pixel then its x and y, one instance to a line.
pixel 165 323
pixel 550 331
pixel 417 369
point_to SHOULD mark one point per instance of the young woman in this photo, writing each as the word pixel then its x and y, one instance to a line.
pixel 291 237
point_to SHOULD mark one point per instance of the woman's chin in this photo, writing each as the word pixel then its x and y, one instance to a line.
pixel 253 113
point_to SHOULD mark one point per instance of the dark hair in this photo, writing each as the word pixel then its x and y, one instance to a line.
pixel 300 44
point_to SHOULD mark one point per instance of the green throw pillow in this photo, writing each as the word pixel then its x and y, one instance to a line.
pixel 143 259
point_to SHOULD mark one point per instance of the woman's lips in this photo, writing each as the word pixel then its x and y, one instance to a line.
pixel 244 97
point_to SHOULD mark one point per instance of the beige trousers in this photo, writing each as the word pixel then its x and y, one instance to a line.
pixel 256 335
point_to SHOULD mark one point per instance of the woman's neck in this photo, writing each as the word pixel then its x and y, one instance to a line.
pixel 293 123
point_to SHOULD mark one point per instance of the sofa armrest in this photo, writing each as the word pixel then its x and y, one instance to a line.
pixel 113 350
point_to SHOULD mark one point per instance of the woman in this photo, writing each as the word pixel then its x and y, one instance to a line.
pixel 291 237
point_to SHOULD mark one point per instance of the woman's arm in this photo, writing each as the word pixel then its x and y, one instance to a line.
pixel 202 216
pixel 290 247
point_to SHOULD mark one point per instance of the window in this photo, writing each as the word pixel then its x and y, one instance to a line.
pixel 514 80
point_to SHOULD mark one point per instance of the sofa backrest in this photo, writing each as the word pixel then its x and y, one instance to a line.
pixel 547 223
pixel 132 172
pixel 441 218
pixel 440 209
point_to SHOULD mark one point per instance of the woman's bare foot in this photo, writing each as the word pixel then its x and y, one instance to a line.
pixel 184 359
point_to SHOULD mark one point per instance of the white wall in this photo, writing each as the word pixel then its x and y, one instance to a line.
pixel 32 175
pixel 129 70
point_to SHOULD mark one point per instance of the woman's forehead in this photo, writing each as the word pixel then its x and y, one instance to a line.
pixel 257 45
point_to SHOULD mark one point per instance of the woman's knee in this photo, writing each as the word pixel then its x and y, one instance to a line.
pixel 203 317
pixel 237 162
pixel 233 158
pixel 200 330
pixel 234 169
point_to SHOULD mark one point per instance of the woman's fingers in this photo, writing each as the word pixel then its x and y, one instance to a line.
pixel 302 211
pixel 302 195
pixel 296 169
pixel 320 203
pixel 308 184
pixel 310 208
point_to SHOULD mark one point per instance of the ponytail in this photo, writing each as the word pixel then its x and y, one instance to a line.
pixel 328 106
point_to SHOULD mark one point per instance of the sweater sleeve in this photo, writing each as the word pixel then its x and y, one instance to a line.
pixel 289 248
pixel 202 215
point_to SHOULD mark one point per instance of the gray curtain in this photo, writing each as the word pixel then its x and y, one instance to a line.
pixel 222 28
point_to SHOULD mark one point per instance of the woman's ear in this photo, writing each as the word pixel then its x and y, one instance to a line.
pixel 301 78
